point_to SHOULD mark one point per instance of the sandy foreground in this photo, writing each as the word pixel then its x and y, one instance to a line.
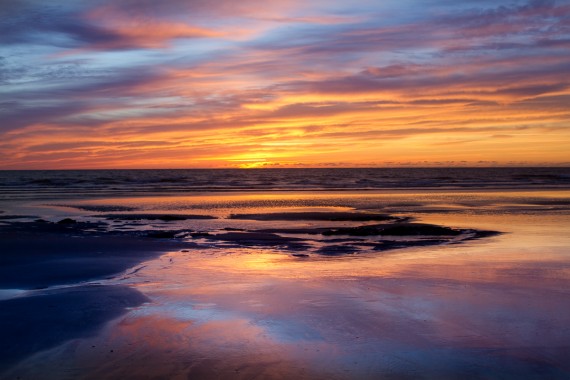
pixel 285 293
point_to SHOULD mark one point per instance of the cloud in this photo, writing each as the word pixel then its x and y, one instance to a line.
pixel 58 98
pixel 535 90
pixel 87 83
pixel 102 28
pixel 123 30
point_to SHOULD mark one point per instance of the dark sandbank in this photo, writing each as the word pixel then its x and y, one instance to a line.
pixel 162 217
pixel 381 237
pixel 100 208
pixel 318 216
pixel 10 217
pixel 40 254
pixel 351 240
pixel 396 229
pixel 260 239
pixel 32 324
pixel 386 229
pixel 337 250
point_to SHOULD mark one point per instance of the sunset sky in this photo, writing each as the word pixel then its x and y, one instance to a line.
pixel 284 83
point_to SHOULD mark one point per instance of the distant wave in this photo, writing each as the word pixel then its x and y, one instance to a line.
pixel 16 184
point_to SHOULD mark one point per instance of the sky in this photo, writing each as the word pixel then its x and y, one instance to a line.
pixel 88 84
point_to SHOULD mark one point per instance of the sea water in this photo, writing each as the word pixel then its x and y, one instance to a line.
pixel 496 307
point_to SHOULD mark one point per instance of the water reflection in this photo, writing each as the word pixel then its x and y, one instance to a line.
pixel 486 309
pixel 492 308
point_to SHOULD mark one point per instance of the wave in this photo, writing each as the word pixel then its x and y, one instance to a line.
pixel 26 183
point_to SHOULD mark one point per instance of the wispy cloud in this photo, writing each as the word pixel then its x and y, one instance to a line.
pixel 192 83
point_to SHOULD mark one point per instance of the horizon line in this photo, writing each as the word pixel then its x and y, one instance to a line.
pixel 564 166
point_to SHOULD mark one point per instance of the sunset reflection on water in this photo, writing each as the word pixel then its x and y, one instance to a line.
pixel 493 307
pixel 489 302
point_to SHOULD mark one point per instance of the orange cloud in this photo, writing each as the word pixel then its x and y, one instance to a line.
pixel 288 85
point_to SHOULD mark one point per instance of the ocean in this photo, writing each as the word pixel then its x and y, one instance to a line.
pixel 17 184
pixel 435 273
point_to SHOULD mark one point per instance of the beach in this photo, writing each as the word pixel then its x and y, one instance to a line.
pixel 345 284
pixel 295 190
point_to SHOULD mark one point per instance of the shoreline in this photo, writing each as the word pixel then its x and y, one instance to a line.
pixel 341 190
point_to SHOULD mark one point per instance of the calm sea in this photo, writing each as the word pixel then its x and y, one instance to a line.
pixel 28 184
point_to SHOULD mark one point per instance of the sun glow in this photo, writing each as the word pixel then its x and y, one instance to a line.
pixel 285 89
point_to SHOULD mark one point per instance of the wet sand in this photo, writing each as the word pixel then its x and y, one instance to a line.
pixel 46 265
pixel 236 301
pixel 45 320
pixel 36 255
